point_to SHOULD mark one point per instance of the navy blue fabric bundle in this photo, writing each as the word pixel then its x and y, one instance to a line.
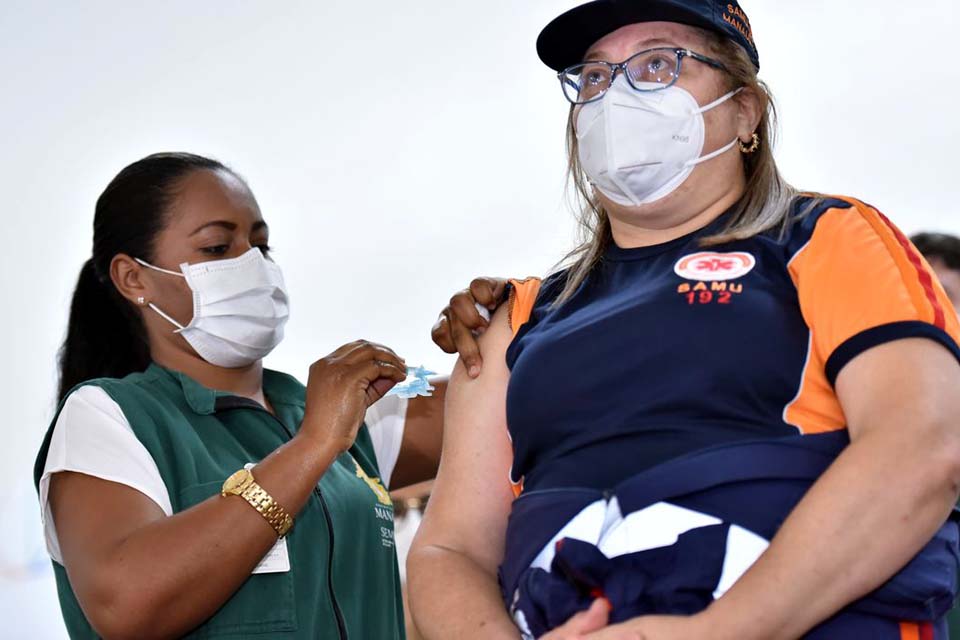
pixel 751 484
pixel 678 579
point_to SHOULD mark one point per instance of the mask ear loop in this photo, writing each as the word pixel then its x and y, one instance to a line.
pixel 150 266
pixel 179 326
pixel 711 156
pixel 719 101
pixel 163 315
pixel 722 150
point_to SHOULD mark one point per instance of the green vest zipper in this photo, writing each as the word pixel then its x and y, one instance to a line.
pixel 250 404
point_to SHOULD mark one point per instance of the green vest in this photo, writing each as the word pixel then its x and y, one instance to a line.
pixel 343 580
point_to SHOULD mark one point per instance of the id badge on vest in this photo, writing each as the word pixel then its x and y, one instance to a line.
pixel 277 559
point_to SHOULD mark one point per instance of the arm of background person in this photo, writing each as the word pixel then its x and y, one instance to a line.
pixel 454 333
pixel 452 567
pixel 419 455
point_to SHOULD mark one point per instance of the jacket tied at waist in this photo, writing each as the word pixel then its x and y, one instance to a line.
pixel 675 537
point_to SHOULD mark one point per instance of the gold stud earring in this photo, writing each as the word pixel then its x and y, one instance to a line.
pixel 752 148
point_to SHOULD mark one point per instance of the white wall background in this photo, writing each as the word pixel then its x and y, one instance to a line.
pixel 397 149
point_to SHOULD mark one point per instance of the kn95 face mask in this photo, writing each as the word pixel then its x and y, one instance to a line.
pixel 637 147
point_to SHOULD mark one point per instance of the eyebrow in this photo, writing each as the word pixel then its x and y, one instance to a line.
pixel 651 43
pixel 229 226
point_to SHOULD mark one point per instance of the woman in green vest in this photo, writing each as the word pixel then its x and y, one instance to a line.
pixel 185 489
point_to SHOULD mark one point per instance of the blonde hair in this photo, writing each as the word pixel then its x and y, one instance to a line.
pixel 766 203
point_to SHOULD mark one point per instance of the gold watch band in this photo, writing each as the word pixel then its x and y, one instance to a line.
pixel 243 484
pixel 263 502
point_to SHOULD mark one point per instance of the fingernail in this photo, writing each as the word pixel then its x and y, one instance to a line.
pixel 474 371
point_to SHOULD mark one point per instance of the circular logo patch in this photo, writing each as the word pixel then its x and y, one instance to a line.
pixel 712 266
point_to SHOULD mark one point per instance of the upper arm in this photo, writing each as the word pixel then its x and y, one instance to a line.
pixel 861 283
pixel 99 484
pixel 911 386
pixel 882 328
pixel 93 516
pixel 422 437
pixel 472 496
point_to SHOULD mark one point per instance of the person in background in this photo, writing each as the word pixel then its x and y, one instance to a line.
pixel 184 488
pixel 942 251
pixel 732 415
pixel 409 504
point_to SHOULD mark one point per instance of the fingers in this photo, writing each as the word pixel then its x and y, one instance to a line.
pixel 464 323
pixel 378 369
pixel 455 329
pixel 377 389
pixel 596 617
pixel 362 351
pixel 381 377
pixel 441 334
pixel 385 355
pixel 593 619
pixel 463 309
pixel 488 291
pixel 454 337
pixel 466 345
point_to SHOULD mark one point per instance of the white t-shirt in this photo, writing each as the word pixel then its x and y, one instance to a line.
pixel 92 436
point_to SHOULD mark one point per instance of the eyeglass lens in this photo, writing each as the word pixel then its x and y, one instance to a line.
pixel 589 81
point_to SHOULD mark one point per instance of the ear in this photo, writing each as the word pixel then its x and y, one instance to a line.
pixel 751 107
pixel 125 273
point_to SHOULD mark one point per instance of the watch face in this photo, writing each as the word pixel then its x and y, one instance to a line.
pixel 235 481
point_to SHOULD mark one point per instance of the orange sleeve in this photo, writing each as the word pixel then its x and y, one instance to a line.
pixel 862 283
pixel 523 295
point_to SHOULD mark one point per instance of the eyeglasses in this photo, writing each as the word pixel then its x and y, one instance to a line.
pixel 650 70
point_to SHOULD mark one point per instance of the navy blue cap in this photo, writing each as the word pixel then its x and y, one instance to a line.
pixel 565 41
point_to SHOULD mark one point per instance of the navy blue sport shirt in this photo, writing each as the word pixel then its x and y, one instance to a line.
pixel 669 349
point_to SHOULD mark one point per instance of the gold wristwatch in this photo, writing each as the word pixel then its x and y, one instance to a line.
pixel 242 484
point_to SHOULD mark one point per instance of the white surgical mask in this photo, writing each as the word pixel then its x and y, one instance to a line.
pixel 239 308
pixel 637 147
